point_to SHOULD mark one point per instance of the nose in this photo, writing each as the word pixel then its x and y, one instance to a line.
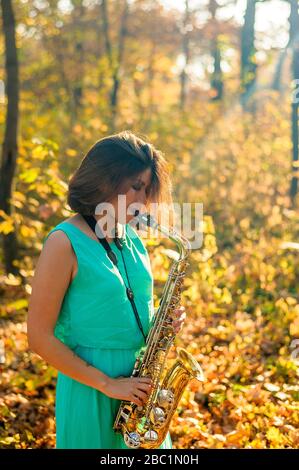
pixel 142 197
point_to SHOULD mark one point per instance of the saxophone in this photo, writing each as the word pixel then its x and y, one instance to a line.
pixel 146 426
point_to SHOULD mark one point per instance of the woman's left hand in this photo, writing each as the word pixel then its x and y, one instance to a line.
pixel 179 316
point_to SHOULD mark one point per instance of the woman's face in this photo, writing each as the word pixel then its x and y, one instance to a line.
pixel 134 198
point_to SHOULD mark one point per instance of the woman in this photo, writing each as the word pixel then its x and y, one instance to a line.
pixel 80 319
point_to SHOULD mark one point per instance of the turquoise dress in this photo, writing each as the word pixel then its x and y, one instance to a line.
pixel 97 322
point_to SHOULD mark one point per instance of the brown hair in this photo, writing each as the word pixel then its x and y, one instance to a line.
pixel 110 165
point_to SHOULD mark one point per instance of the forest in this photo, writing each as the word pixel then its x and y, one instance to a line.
pixel 213 84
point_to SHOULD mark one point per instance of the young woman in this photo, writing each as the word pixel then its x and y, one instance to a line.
pixel 80 319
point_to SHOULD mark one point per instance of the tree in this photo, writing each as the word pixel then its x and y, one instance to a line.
pixel 115 65
pixel 77 88
pixel 216 79
pixel 9 147
pixel 248 63
pixel 294 38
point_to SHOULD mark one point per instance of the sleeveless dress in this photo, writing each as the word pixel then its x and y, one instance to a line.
pixel 97 322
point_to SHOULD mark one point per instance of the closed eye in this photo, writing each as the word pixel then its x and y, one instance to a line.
pixel 139 187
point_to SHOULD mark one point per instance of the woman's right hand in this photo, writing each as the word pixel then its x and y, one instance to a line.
pixel 135 389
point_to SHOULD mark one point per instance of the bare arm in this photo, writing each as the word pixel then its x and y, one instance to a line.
pixel 52 277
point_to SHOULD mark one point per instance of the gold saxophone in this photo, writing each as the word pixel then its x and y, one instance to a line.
pixel 146 426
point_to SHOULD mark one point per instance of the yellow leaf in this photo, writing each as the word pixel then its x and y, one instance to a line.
pixel 18 304
pixel 71 152
pixel 274 436
pixel 6 227
pixel 30 175
pixel 25 231
pixel 30 385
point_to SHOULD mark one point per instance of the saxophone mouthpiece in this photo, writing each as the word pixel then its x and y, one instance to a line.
pixel 148 221
pixel 136 213
pixel 144 219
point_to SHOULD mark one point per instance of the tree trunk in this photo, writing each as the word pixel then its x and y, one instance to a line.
pixel 77 86
pixel 115 65
pixel 276 82
pixel 294 38
pixel 216 79
pixel 119 63
pixel 105 20
pixel 248 65
pixel 9 147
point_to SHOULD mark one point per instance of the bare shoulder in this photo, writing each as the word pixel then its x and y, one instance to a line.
pixel 57 241
pixel 57 252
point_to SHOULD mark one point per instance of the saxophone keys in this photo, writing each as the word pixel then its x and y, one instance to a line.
pixel 157 416
pixel 125 413
pixel 165 398
pixel 132 439
pixel 150 436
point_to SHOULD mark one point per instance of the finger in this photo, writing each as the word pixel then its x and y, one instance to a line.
pixel 141 395
pixel 145 380
pixel 180 319
pixel 142 384
pixel 136 400
pixel 181 308
pixel 177 326
pixel 144 387
pixel 179 311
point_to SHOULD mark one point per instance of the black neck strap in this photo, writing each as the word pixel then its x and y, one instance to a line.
pixel 91 221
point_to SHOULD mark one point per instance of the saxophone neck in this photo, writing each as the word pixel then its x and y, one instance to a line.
pixel 180 240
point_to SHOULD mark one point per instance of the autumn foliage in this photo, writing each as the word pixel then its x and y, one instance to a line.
pixel 241 289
